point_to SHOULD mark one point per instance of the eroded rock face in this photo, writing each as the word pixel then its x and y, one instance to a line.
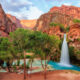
pixel 28 24
pixel 15 20
pixel 69 10
pixel 63 15
pixel 74 35
pixel 74 32
pixel 6 25
pixel 45 20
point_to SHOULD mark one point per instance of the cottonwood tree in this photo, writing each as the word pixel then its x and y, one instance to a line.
pixel 20 40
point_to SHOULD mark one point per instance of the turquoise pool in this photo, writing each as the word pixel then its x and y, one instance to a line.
pixel 57 66
pixel 54 65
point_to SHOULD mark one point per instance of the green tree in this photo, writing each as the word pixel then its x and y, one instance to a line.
pixel 20 40
pixel 42 45
pixel 5 51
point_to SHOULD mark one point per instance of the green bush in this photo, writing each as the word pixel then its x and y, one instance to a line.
pixel 18 62
pixel 62 27
pixel 71 50
pixel 27 65
pixel 76 20
pixel 14 66
pixel 67 29
pixel 78 52
pixel 28 56
pixel 53 24
pixel 22 57
pixel 78 39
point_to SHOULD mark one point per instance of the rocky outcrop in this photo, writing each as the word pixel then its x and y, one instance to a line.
pixel 63 15
pixel 28 24
pixel 74 32
pixel 6 25
pixel 69 10
pixel 15 20
pixel 74 35
pixel 45 20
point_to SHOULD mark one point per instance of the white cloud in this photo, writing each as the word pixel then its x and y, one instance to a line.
pixel 21 2
pixel 67 4
pixel 32 13
pixel 22 9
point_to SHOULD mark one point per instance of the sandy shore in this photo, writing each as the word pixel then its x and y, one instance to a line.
pixel 51 75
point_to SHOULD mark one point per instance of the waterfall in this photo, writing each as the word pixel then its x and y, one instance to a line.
pixel 64 60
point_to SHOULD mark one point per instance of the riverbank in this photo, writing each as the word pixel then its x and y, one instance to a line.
pixel 51 75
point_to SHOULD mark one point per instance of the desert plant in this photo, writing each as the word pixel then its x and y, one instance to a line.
pixel 53 24
pixel 76 20
pixel 67 29
pixel 78 39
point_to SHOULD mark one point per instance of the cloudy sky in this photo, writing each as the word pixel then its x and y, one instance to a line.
pixel 32 9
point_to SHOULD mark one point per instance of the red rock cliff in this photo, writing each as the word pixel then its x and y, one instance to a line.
pixel 15 20
pixel 69 10
pixel 61 15
pixel 6 25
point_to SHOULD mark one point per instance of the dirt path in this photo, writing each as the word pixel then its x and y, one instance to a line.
pixel 52 75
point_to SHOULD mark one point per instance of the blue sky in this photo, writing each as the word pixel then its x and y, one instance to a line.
pixel 32 9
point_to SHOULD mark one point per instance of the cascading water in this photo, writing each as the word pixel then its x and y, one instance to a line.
pixel 64 60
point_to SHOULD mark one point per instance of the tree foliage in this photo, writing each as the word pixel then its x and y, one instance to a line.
pixel 5 49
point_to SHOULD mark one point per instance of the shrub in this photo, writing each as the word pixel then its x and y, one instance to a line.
pixel 58 24
pixel 62 27
pixel 53 24
pixel 67 29
pixel 78 39
pixel 18 62
pixel 22 57
pixel 14 66
pixel 76 20
pixel 28 56
pixel 27 66
pixel 71 50
pixel 78 52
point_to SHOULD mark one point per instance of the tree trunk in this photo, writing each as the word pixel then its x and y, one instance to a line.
pixel 42 64
pixel 24 67
pixel 8 66
pixel 31 69
pixel 9 69
pixel 45 70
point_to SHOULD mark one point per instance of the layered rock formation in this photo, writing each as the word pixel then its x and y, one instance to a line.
pixel 74 32
pixel 63 15
pixel 28 24
pixel 6 25
pixel 15 20
pixel 69 10
pixel 74 35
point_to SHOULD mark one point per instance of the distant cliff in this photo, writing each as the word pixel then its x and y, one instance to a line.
pixel 28 24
